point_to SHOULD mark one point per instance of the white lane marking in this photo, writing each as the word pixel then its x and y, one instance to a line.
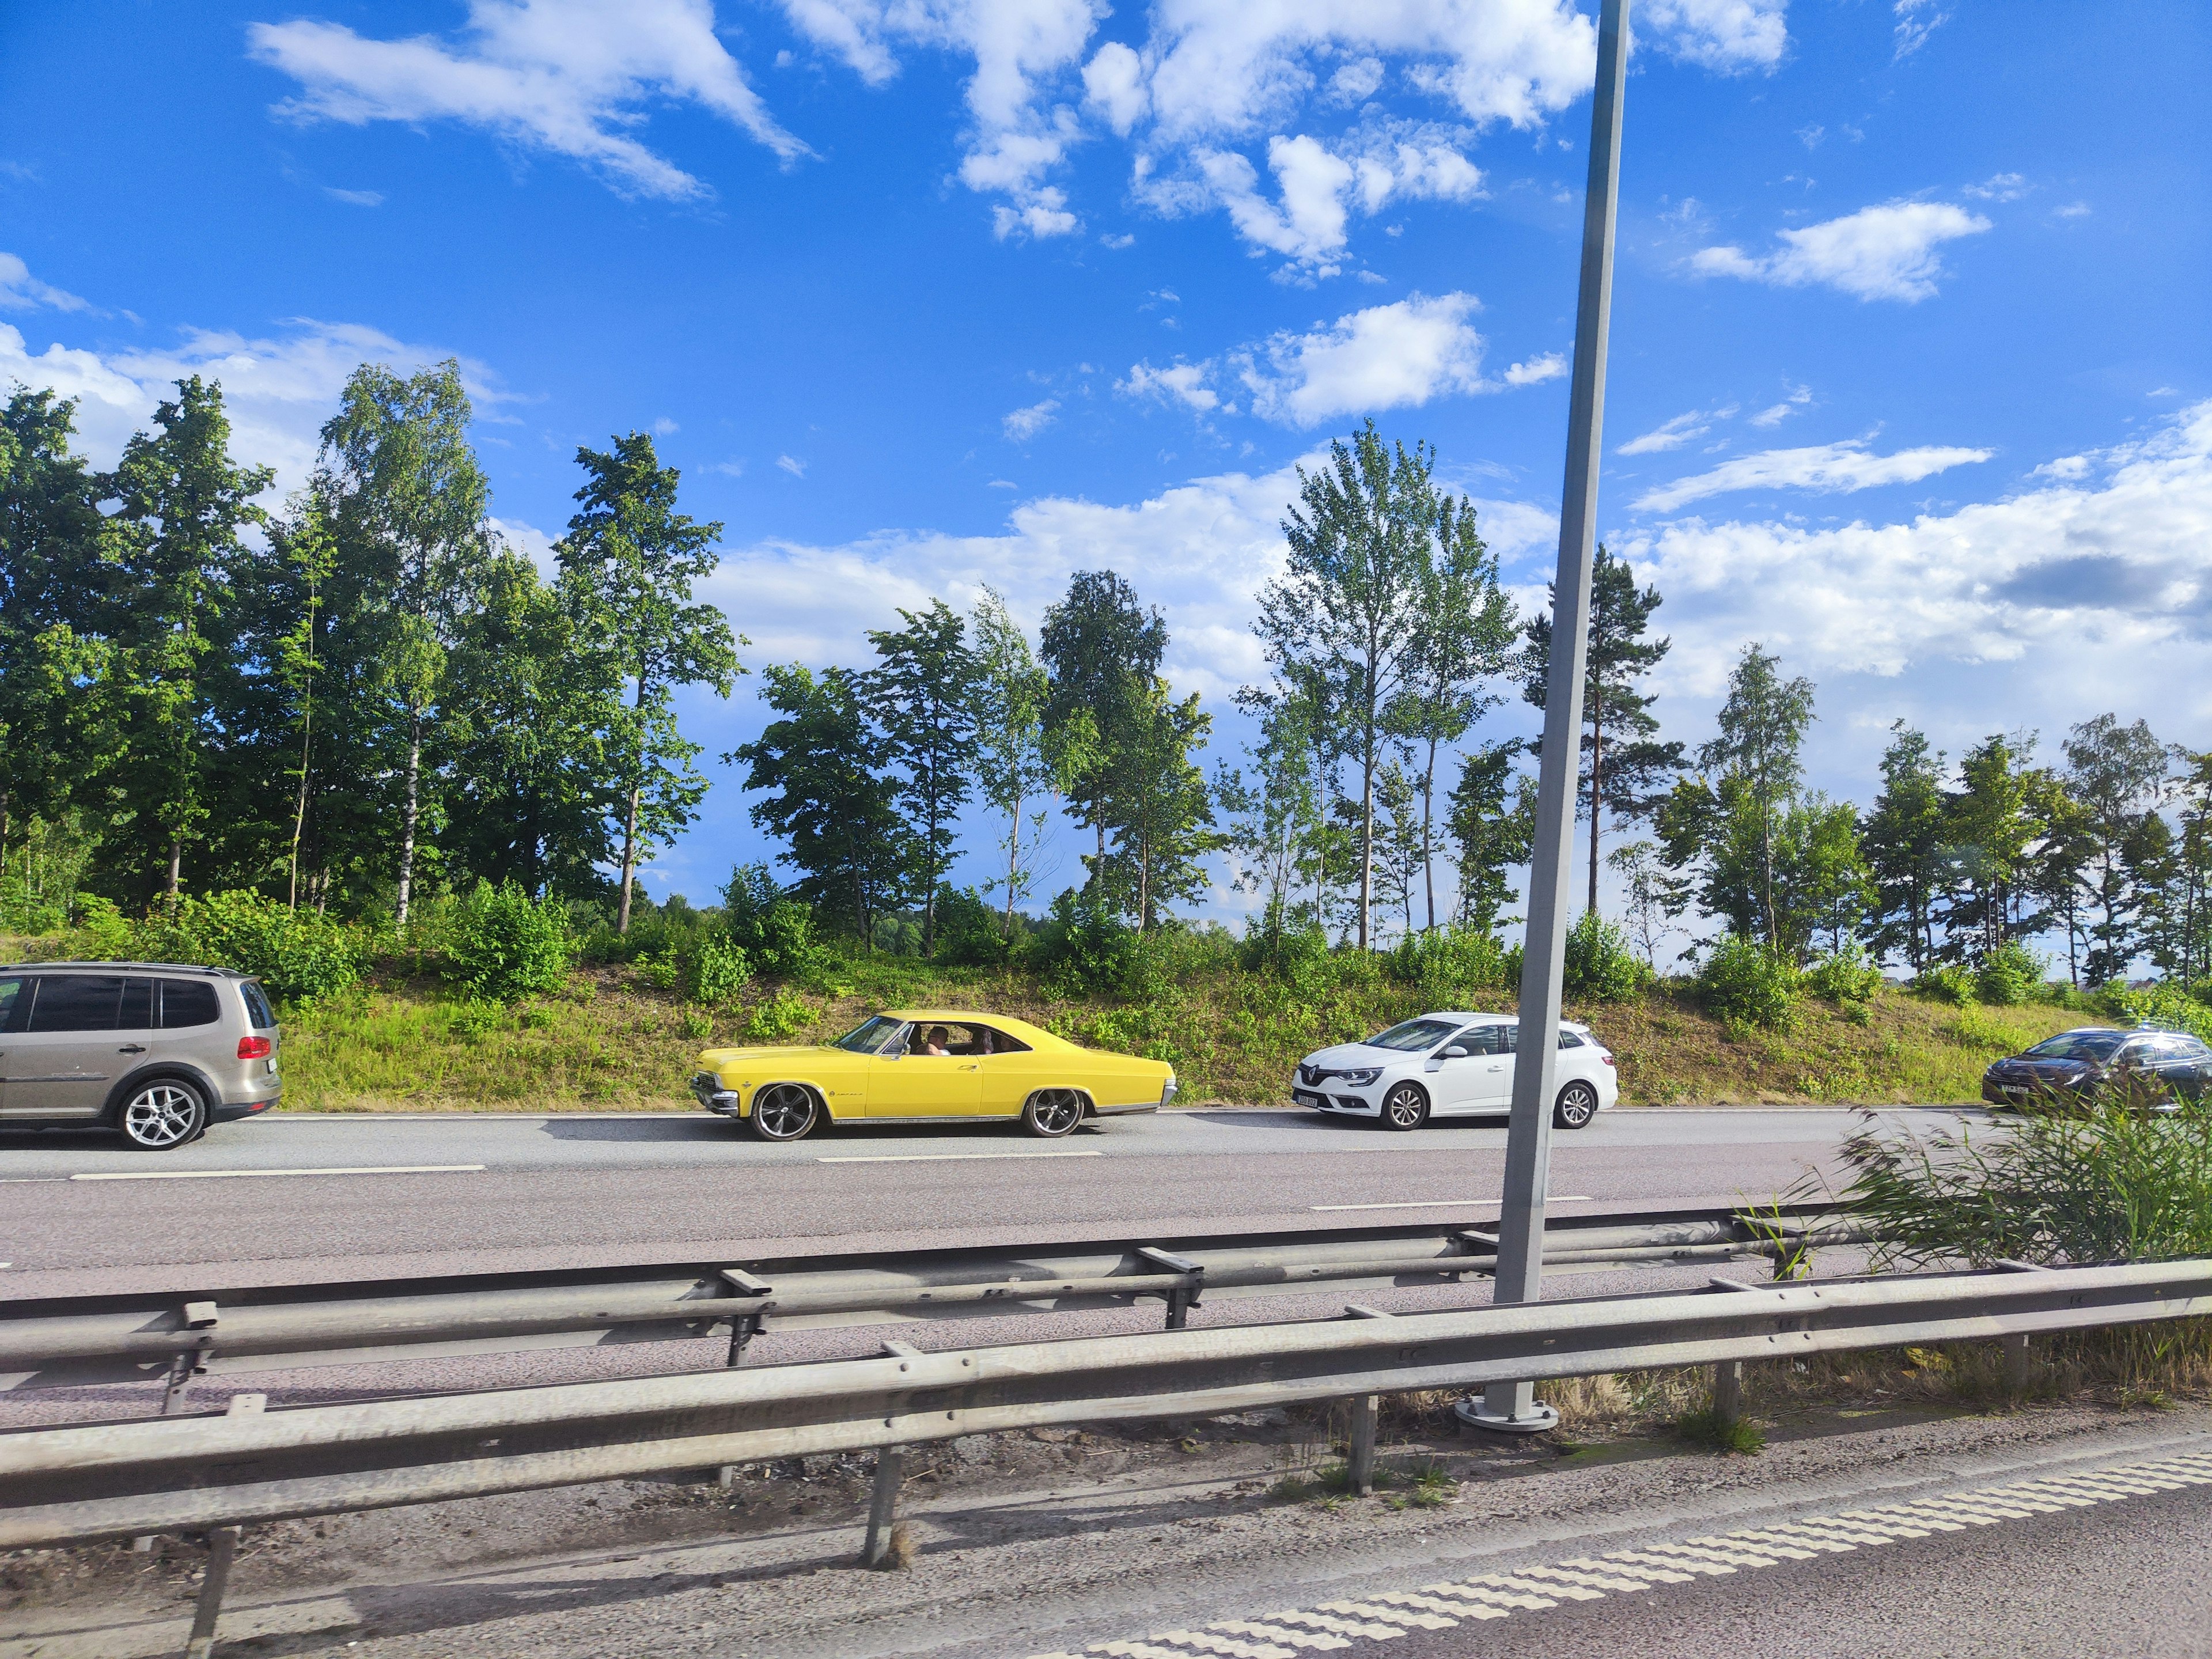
pixel 957 1157
pixel 1348 1623
pixel 234 1175
pixel 1442 1203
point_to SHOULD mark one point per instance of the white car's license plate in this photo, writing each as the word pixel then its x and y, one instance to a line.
pixel 1304 1098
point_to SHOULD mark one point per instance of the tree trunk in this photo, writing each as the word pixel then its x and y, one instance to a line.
pixel 1013 869
pixel 1429 834
pixel 629 859
pixel 176 869
pixel 299 809
pixel 411 812
pixel 1597 790
pixel 1367 837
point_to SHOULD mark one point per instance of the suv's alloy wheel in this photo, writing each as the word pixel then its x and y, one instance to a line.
pixel 163 1114
pixel 784 1111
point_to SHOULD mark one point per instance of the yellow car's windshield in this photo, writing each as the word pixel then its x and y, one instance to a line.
pixel 870 1035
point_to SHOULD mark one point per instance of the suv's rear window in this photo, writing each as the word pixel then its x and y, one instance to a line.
pixel 185 1002
pixel 257 1014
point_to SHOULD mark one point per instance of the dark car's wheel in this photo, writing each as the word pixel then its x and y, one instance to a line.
pixel 162 1115
pixel 784 1111
pixel 1576 1106
pixel 1406 1106
pixel 1052 1113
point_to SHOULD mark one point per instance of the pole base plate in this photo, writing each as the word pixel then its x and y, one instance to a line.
pixel 1476 1415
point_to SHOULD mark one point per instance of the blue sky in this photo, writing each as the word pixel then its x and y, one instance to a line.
pixel 1910 376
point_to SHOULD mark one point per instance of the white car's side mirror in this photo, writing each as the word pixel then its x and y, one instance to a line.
pixel 1453 1053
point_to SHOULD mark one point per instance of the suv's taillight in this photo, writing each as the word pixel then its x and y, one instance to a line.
pixel 253 1048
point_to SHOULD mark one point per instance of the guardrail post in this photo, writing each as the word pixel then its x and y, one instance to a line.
pixel 1360 1474
pixel 2019 1363
pixel 883 1505
pixel 1728 1392
pixel 222 1548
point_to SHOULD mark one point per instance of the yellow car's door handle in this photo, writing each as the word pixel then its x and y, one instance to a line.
pixel 971 1068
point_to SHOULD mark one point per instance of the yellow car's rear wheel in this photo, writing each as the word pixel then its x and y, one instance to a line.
pixel 1052 1113
pixel 784 1111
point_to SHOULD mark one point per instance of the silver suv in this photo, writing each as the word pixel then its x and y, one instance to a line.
pixel 152 1050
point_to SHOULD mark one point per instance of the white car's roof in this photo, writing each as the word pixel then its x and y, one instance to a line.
pixel 1502 1019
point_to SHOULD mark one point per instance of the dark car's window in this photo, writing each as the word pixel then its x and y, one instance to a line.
pixel 15 1003
pixel 258 1012
pixel 2078 1045
pixel 188 1002
pixel 78 1002
pixel 1413 1035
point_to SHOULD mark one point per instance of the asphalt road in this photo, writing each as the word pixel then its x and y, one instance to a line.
pixel 371 1194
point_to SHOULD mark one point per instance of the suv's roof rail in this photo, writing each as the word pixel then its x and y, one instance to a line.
pixel 158 967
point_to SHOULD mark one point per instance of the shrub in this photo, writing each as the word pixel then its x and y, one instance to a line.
pixel 775 932
pixel 2009 975
pixel 1450 965
pixel 782 1017
pixel 969 932
pixel 712 969
pixel 1600 966
pixel 2167 1005
pixel 1844 976
pixel 1088 949
pixel 1947 983
pixel 504 946
pixel 1744 982
pixel 296 954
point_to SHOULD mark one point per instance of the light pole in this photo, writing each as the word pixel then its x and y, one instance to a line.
pixel 1512 1405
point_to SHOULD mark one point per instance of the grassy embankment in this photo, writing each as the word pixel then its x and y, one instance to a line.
pixel 612 1041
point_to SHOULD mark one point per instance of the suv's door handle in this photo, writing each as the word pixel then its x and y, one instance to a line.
pixel 132 1048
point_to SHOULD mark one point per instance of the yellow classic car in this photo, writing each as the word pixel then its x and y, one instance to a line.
pixel 929 1065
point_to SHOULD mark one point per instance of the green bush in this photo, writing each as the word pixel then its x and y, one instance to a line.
pixel 1844 976
pixel 775 932
pixel 1744 982
pixel 2010 975
pixel 1452 966
pixel 1600 966
pixel 780 1019
pixel 969 932
pixel 1087 949
pixel 712 969
pixel 296 954
pixel 503 945
pixel 1947 983
pixel 2167 1005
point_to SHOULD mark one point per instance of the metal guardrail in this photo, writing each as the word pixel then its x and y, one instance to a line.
pixel 189 1474
pixel 247 1328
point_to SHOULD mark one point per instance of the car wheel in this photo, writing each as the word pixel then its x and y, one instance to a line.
pixel 1577 1106
pixel 162 1114
pixel 1406 1106
pixel 783 1111
pixel 1052 1113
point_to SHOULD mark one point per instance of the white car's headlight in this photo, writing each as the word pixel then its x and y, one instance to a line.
pixel 1362 1078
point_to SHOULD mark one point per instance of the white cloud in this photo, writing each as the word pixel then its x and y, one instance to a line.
pixel 2001 187
pixel 2072 211
pixel 1671 434
pixel 1884 252
pixel 1552 365
pixel 1916 21
pixel 791 465
pixel 1113 82
pixel 355 197
pixel 1729 35
pixel 665 427
pixel 1318 186
pixel 1823 467
pixel 1775 413
pixel 568 77
pixel 1179 382
pixel 1392 356
pixel 1025 424
pixel 21 291
pixel 279 392
pixel 2065 469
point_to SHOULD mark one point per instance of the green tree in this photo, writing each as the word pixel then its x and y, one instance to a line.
pixel 1011 692
pixel 1760 745
pixel 922 692
pixel 1492 824
pixel 408 506
pixel 1102 651
pixel 1991 828
pixel 1273 822
pixel 834 810
pixel 628 564
pixel 1637 865
pixel 1340 625
pixel 1905 847
pixel 175 544
pixel 1464 642
pixel 1155 799
pixel 2118 773
pixel 1623 767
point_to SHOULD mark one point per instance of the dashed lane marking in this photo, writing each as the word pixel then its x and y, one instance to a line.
pixel 1442 1203
pixel 1332 1627
pixel 237 1175
pixel 959 1157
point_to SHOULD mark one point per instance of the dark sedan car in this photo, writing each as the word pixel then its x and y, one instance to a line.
pixel 2093 1061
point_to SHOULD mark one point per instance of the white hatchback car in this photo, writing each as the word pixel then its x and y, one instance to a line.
pixel 1450 1065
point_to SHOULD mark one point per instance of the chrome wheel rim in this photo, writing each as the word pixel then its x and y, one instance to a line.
pixel 161 1115
pixel 1577 1106
pixel 1403 1108
pixel 785 1112
pixel 1056 1111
